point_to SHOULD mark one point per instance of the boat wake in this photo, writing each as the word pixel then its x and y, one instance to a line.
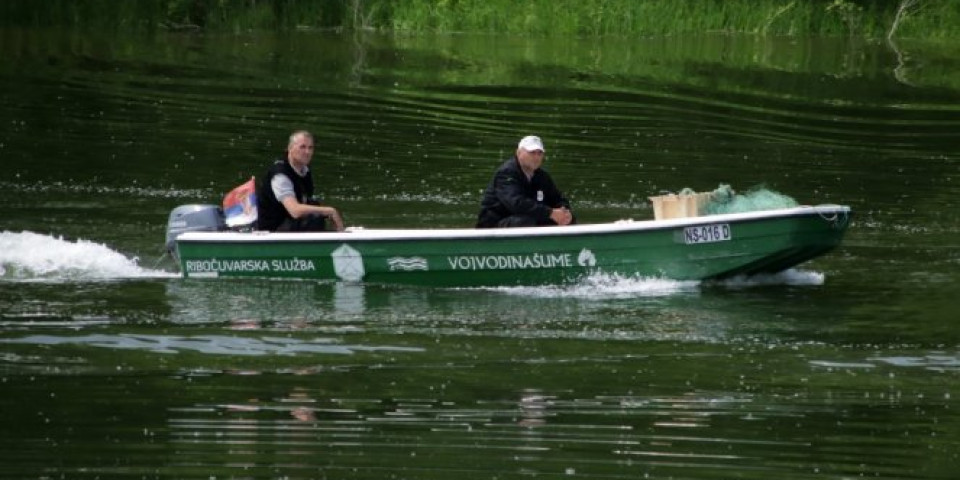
pixel 786 277
pixel 605 286
pixel 28 256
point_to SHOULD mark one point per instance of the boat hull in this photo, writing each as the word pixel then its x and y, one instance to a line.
pixel 695 248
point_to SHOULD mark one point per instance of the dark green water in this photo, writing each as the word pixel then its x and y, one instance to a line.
pixel 113 367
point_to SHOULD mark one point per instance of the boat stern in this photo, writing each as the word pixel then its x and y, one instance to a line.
pixel 192 218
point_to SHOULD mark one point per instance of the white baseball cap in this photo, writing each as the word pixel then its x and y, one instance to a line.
pixel 531 143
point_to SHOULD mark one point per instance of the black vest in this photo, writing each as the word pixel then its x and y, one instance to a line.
pixel 270 212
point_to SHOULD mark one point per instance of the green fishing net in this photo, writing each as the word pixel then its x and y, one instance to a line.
pixel 725 200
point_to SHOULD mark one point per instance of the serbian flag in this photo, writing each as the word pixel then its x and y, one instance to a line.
pixel 240 205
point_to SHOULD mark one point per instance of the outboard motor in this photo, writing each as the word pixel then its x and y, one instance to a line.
pixel 192 218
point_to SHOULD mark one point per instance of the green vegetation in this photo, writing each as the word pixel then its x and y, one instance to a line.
pixel 927 19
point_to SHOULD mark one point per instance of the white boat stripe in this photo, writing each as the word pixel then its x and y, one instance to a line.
pixel 363 234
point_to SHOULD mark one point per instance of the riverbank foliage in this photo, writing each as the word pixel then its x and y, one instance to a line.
pixel 924 19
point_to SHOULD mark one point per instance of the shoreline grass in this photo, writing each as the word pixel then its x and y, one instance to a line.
pixel 915 19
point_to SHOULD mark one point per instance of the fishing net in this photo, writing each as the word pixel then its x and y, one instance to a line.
pixel 689 203
pixel 725 200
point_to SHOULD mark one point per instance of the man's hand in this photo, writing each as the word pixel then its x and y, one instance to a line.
pixel 297 210
pixel 333 215
pixel 337 220
pixel 561 216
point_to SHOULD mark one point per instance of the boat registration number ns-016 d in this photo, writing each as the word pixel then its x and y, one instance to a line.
pixel 719 232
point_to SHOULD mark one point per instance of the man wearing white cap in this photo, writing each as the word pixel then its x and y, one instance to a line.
pixel 521 194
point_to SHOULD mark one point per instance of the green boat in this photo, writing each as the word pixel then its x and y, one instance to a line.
pixel 692 248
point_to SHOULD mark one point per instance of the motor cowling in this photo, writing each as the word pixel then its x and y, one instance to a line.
pixel 192 218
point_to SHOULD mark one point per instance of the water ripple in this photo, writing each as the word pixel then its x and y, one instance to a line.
pixel 208 344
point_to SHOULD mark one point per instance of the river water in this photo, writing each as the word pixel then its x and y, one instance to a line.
pixel 111 366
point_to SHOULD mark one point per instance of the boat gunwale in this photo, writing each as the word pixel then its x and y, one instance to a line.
pixel 621 226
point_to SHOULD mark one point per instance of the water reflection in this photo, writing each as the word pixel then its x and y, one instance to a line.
pixel 343 307
pixel 208 344
pixel 271 303
pixel 695 432
pixel 348 298
pixel 533 408
pixel 598 309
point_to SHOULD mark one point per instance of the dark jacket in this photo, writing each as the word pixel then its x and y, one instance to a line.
pixel 511 193
pixel 270 212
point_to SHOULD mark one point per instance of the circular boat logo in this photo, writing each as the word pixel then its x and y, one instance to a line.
pixel 348 263
pixel 586 258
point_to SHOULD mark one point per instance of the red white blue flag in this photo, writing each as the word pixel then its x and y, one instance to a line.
pixel 240 205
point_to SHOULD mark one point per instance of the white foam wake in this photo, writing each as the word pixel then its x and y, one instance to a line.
pixel 786 277
pixel 29 256
pixel 601 286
